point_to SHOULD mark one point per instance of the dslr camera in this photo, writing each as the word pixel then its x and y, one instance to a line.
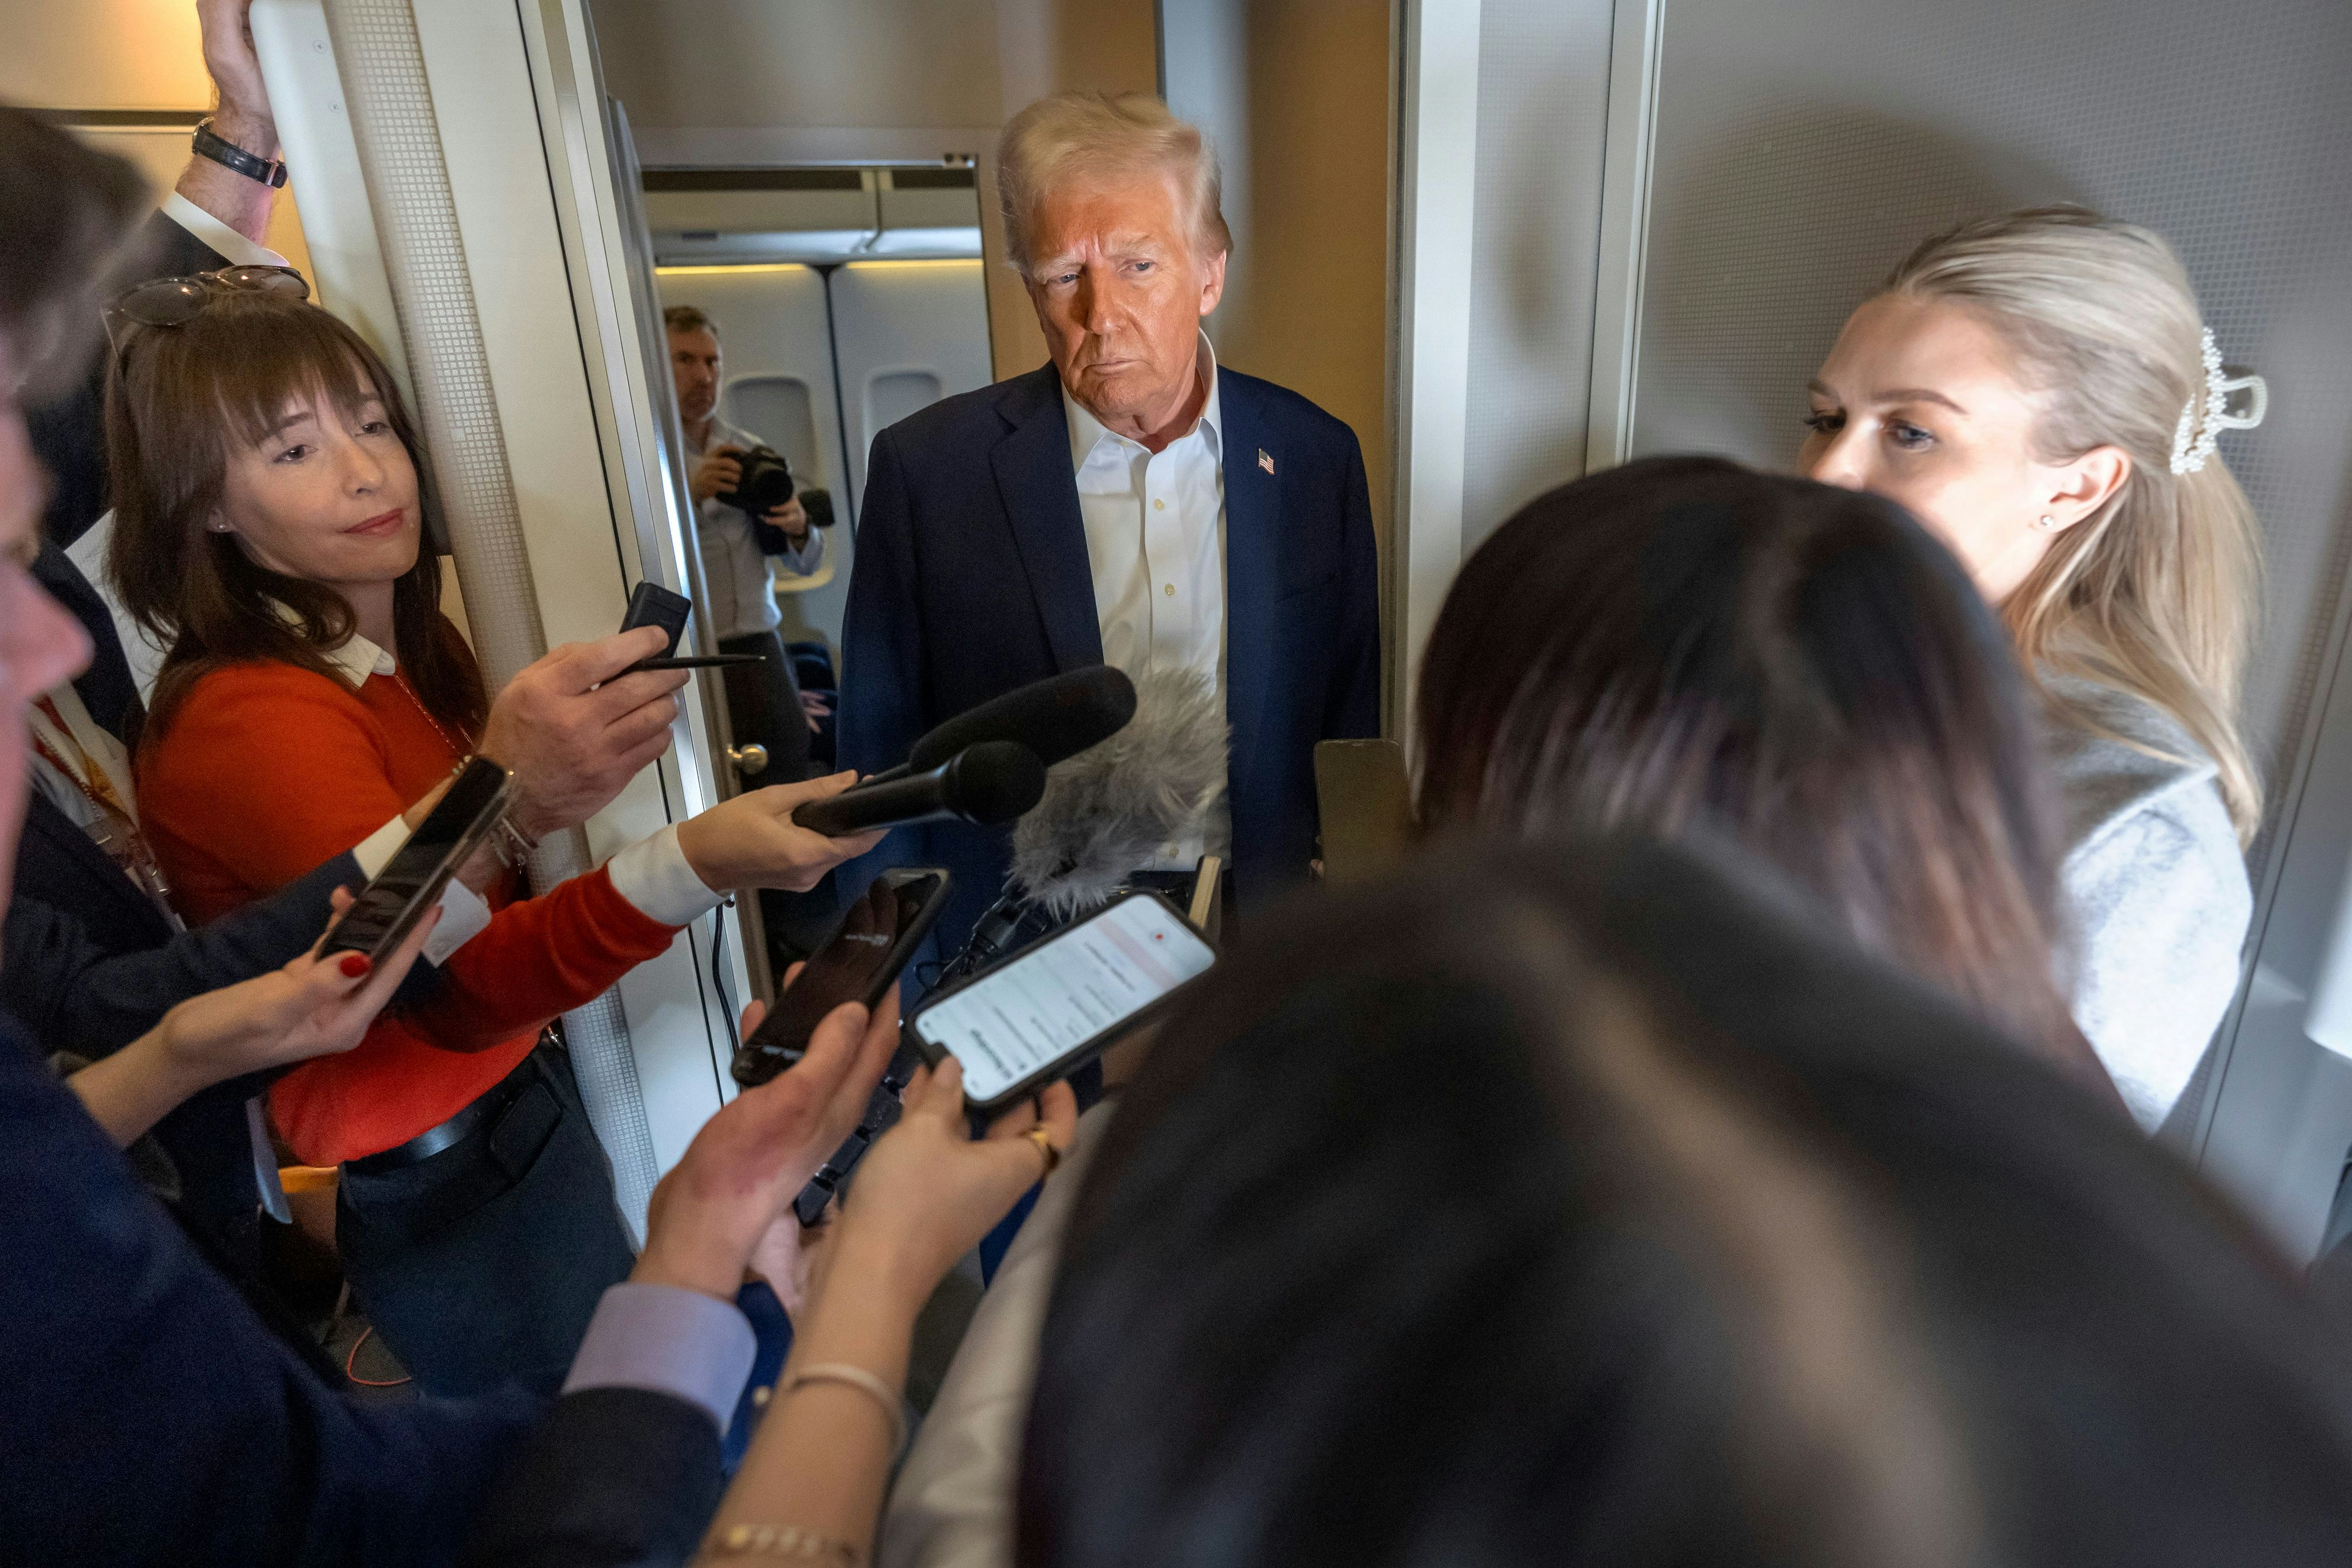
pixel 764 482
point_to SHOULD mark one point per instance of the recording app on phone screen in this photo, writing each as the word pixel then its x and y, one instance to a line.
pixel 1062 994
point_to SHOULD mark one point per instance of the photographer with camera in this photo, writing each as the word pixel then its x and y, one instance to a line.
pixel 746 509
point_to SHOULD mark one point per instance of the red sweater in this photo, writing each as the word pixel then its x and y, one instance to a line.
pixel 265 770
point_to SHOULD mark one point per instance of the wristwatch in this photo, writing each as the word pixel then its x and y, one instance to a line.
pixel 229 155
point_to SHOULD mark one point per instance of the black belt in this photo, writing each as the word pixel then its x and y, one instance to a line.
pixel 472 1119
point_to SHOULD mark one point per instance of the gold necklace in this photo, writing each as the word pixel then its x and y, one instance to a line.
pixel 456 750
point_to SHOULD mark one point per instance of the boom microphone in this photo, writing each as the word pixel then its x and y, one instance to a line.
pixel 994 780
pixel 1108 810
pixel 1055 717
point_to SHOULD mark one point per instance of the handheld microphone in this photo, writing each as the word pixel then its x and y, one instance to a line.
pixel 1055 717
pixel 995 780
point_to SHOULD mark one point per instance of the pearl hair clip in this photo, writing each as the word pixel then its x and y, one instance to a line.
pixel 2196 439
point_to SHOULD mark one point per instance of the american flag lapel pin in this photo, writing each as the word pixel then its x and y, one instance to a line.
pixel 1264 461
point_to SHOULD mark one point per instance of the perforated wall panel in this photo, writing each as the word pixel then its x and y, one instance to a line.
pixel 399 138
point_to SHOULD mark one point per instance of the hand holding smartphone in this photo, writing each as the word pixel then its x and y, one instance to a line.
pixel 859 963
pixel 1044 1012
pixel 413 881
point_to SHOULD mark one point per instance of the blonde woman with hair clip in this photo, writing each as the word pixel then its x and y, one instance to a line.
pixel 2041 390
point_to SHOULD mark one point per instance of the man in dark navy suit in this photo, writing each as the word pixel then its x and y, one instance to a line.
pixel 1131 504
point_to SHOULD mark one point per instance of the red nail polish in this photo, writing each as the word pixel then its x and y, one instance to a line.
pixel 356 964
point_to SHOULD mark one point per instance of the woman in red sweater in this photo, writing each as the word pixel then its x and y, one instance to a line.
pixel 267 531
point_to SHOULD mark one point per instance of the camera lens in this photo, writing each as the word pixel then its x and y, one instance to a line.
pixel 764 482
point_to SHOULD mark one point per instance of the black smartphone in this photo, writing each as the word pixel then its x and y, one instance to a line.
pixel 703 661
pixel 651 604
pixel 858 963
pixel 1038 1015
pixel 412 881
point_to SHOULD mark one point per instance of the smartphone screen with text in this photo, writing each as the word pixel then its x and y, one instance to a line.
pixel 1042 1012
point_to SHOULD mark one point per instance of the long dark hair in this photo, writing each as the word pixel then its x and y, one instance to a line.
pixel 1690 647
pixel 1581 1203
pixel 177 399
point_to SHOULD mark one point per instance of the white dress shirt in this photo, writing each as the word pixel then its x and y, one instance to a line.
pixel 734 573
pixel 1155 526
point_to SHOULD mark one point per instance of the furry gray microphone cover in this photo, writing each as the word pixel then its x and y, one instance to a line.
pixel 1108 810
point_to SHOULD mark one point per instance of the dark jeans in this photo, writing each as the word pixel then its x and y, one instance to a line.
pixel 482 1264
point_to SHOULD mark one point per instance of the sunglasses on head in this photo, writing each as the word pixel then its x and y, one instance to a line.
pixel 176 302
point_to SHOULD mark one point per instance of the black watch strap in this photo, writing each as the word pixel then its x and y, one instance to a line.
pixel 229 155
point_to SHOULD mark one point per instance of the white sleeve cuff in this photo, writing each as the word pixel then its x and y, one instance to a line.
pixel 375 851
pixel 463 913
pixel 231 245
pixel 653 875
pixel 464 916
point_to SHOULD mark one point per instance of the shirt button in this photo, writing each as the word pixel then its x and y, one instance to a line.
pixel 1159 506
pixel 1169 590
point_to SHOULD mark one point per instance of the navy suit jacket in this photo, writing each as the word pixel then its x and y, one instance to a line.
pixel 971 579
pixel 623 1477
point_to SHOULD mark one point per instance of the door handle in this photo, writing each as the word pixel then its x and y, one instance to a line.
pixel 750 761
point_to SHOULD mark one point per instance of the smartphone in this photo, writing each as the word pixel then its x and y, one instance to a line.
pixel 1040 1014
pixel 858 963
pixel 412 881
pixel 651 604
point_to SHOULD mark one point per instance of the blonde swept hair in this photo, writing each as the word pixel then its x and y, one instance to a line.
pixel 1077 136
pixel 2156 592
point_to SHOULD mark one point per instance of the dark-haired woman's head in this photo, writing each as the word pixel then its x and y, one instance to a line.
pixel 266 473
pixel 1689 647
pixel 1583 1205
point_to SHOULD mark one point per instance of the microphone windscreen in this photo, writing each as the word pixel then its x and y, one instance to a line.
pixel 1055 717
pixel 996 781
pixel 1109 809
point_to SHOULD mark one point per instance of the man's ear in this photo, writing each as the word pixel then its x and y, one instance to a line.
pixel 1212 281
pixel 2082 486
